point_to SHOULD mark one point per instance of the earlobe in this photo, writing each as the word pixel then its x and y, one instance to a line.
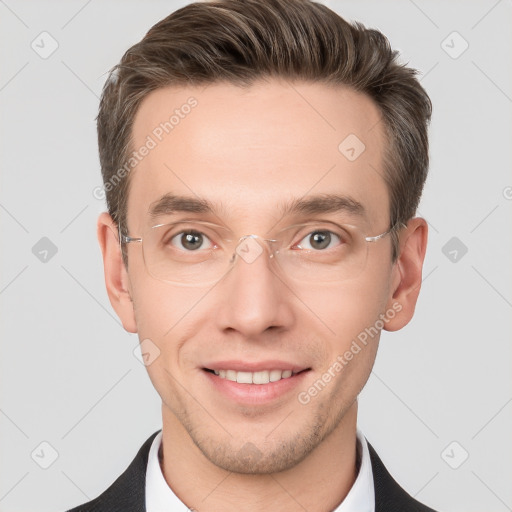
pixel 116 276
pixel 407 274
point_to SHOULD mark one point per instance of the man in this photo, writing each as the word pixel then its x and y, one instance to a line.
pixel 263 162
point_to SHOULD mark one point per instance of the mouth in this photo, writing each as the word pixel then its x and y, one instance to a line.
pixel 254 384
pixel 260 377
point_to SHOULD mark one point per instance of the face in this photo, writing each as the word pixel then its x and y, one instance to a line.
pixel 250 153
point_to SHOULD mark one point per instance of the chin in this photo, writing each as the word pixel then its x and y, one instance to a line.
pixel 261 457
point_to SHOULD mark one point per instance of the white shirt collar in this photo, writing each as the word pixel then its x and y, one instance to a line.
pixel 161 498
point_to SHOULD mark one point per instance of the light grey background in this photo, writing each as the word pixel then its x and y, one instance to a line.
pixel 68 373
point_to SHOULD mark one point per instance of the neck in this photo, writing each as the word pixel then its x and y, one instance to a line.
pixel 319 482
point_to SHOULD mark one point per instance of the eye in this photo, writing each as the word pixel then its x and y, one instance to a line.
pixel 191 240
pixel 319 240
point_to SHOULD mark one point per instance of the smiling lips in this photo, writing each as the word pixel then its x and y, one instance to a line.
pixel 264 372
pixel 261 377
pixel 254 383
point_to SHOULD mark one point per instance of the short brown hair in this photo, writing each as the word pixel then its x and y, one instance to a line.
pixel 240 41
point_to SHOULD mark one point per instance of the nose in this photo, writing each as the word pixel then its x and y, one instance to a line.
pixel 254 297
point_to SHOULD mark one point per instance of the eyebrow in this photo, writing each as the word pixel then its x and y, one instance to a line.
pixel 325 203
pixel 169 204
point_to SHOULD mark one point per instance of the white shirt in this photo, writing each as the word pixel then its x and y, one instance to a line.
pixel 161 498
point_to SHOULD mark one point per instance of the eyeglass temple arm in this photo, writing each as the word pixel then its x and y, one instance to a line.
pixel 397 225
pixel 125 239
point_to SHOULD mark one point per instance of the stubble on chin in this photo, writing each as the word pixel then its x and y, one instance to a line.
pixel 279 451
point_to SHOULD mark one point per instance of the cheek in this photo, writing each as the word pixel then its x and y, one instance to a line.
pixel 345 310
pixel 163 310
pixel 350 317
pixel 166 316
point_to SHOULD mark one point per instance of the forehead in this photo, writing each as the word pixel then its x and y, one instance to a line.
pixel 247 150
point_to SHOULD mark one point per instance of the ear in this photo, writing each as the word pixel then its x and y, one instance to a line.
pixel 116 275
pixel 406 273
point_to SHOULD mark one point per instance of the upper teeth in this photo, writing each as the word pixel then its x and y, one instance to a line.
pixel 263 377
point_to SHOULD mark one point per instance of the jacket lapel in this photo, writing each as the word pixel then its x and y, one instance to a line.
pixel 128 492
pixel 389 496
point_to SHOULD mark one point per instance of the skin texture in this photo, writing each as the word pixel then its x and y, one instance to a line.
pixel 248 150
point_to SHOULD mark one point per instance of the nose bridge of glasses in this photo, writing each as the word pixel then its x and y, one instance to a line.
pixel 250 247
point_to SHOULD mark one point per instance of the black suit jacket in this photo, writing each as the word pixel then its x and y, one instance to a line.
pixel 127 493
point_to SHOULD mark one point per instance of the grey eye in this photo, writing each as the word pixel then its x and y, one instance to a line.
pixel 319 240
pixel 190 240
